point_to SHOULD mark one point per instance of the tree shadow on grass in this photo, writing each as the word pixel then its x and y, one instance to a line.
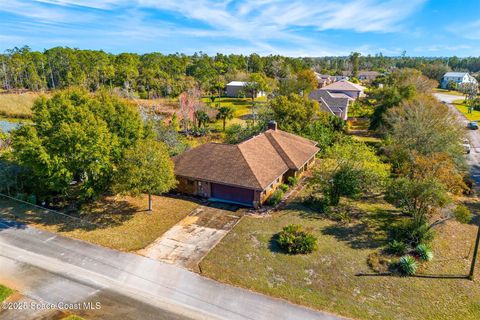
pixel 273 245
pixel 370 232
pixel 104 213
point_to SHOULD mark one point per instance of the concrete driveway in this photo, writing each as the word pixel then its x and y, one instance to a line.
pixel 186 243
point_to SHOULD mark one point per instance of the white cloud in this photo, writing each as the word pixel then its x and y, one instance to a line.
pixel 270 26
pixel 469 30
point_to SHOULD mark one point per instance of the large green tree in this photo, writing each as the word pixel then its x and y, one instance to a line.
pixel 293 113
pixel 146 168
pixel 349 170
pixel 77 139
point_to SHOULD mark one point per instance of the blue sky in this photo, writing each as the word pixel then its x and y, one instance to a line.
pixel 291 27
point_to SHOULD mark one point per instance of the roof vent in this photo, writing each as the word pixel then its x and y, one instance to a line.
pixel 272 125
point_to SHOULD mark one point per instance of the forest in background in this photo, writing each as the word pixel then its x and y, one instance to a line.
pixel 154 75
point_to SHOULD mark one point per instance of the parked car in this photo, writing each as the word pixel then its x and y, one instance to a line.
pixel 466 146
pixel 472 125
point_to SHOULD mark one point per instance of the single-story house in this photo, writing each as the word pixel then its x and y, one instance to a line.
pixel 246 173
pixel 234 89
pixel 458 77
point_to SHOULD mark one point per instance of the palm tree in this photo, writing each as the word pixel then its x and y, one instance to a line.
pixel 225 113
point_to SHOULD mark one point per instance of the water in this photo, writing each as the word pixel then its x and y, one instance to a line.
pixel 7 126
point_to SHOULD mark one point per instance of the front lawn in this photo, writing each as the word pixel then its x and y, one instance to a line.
pixel 337 278
pixel 114 222
pixel 4 293
pixel 463 108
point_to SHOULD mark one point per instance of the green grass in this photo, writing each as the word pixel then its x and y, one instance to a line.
pixel 73 317
pixel 120 223
pixel 463 108
pixel 4 293
pixel 242 109
pixel 330 278
pixel 13 105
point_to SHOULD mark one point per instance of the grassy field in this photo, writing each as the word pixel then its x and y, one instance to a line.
pixel 462 107
pixel 242 109
pixel 336 278
pixel 4 293
pixel 73 317
pixel 452 92
pixel 14 105
pixel 119 223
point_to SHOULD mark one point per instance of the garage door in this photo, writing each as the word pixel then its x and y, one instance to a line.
pixel 235 194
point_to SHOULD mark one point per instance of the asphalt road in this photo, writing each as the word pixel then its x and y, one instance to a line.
pixel 473 159
pixel 54 269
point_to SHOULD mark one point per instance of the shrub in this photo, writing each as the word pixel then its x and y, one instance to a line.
pixel 275 198
pixel 283 187
pixel 293 181
pixel 397 248
pixel 377 262
pixel 424 252
pixel 413 233
pixel 462 214
pixel 293 239
pixel 407 265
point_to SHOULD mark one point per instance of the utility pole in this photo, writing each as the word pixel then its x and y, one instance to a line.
pixel 475 253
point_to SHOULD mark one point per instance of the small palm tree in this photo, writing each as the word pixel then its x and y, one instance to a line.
pixel 202 118
pixel 225 113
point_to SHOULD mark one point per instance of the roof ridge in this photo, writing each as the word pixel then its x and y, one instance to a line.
pixel 248 165
pixel 282 153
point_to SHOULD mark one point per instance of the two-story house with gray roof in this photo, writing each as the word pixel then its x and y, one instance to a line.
pixel 458 77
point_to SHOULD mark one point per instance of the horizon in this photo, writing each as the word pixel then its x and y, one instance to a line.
pixel 421 28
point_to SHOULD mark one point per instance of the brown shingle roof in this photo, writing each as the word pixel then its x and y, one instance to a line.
pixel 253 164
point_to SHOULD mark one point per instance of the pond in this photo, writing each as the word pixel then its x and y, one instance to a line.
pixel 7 126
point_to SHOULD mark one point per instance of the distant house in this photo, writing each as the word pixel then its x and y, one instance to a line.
pixel 246 173
pixel 336 97
pixel 458 77
pixel 235 89
pixel 324 79
pixel 368 75
pixel 362 75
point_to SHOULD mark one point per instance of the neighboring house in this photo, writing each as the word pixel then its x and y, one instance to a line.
pixel 246 173
pixel 368 76
pixel 324 79
pixel 334 103
pixel 458 77
pixel 363 75
pixel 346 87
pixel 336 97
pixel 234 89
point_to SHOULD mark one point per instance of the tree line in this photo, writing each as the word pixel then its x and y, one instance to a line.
pixel 157 75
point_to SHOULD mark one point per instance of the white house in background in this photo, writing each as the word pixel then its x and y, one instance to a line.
pixel 458 77
pixel 235 89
